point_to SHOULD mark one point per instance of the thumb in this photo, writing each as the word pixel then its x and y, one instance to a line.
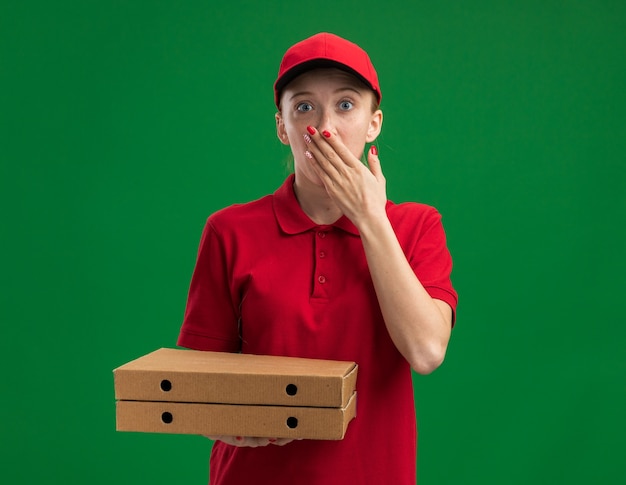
pixel 374 162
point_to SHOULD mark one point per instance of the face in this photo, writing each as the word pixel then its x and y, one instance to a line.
pixel 327 99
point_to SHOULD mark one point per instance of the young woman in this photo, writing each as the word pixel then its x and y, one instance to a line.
pixel 326 267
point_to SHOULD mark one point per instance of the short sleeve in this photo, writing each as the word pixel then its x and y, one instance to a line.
pixel 211 315
pixel 430 258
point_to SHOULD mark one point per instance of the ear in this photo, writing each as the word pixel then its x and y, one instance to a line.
pixel 281 133
pixel 376 124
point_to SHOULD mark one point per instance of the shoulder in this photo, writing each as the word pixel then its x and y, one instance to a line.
pixel 257 212
pixel 416 224
pixel 412 213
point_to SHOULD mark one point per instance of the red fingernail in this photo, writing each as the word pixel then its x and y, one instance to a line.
pixel 326 133
pixel 272 440
pixel 374 150
pixel 238 438
pixel 311 130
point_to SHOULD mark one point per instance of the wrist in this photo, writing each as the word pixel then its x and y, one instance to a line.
pixel 373 225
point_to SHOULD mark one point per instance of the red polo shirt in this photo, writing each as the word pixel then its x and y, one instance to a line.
pixel 268 280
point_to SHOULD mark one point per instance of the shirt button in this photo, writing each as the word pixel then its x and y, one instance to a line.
pixel 322 279
pixel 321 234
pixel 322 254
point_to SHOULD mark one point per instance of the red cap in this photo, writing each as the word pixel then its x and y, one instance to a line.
pixel 325 50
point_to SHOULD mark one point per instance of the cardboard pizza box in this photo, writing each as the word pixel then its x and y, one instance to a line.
pixel 176 375
pixel 295 422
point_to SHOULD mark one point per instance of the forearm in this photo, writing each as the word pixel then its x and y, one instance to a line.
pixel 418 325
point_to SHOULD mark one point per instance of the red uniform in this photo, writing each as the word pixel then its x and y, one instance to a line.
pixel 268 280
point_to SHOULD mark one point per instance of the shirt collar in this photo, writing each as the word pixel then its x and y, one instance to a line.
pixel 292 219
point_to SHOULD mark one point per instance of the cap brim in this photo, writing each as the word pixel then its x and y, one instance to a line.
pixel 296 71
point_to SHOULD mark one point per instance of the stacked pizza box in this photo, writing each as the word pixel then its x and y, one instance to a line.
pixel 215 393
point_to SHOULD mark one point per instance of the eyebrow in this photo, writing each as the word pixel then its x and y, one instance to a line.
pixel 309 93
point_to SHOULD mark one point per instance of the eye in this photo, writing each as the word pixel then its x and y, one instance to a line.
pixel 346 105
pixel 304 107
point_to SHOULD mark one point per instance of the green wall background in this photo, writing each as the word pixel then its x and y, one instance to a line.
pixel 124 124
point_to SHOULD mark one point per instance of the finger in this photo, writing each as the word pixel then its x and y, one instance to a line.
pixel 256 442
pixel 324 170
pixel 374 162
pixel 248 441
pixel 327 174
pixel 252 441
pixel 316 155
pixel 269 441
pixel 334 147
pixel 282 441
pixel 232 440
pixel 329 151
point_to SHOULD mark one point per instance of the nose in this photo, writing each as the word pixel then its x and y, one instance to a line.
pixel 326 120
